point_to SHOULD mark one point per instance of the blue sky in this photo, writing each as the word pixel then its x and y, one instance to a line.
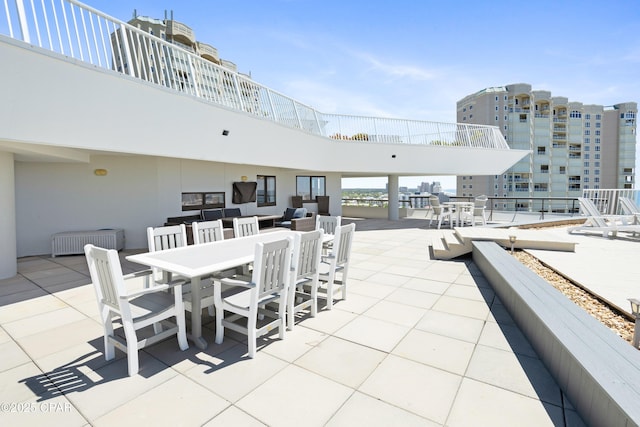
pixel 414 59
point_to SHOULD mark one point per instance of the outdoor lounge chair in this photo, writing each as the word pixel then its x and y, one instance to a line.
pixel 629 207
pixel 603 224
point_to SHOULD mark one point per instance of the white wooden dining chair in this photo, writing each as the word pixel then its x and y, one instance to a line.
pixel 269 284
pixel 136 309
pixel 305 271
pixel 175 236
pixel 336 263
pixel 245 226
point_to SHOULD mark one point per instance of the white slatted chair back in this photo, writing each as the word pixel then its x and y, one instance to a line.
pixel 167 237
pixel 246 226
pixel 328 223
pixel 162 238
pixel 307 253
pixel 342 243
pixel 137 310
pixel 272 267
pixel 207 231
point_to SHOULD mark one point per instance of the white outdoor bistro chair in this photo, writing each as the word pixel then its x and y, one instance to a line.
pixel 438 211
pixel 136 309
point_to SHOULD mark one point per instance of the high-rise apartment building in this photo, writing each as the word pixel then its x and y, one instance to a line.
pixel 573 146
pixel 151 61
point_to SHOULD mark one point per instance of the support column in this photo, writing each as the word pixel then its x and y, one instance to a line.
pixel 393 197
pixel 8 251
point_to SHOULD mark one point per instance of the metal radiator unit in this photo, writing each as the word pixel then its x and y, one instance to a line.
pixel 73 242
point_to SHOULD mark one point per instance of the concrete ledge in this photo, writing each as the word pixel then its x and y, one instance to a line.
pixel 597 370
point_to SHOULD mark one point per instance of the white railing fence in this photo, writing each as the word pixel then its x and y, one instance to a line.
pixel 78 31
pixel 607 199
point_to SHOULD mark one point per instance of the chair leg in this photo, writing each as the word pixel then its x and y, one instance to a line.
pixel 217 298
pixel 109 348
pixel 132 347
pixel 251 334
pixel 314 298
pixel 290 302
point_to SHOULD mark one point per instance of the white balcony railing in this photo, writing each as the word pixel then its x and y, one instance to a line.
pixel 78 31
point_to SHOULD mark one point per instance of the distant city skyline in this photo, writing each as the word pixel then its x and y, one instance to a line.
pixel 446 182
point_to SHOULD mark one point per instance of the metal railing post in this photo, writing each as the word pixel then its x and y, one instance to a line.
pixel 22 17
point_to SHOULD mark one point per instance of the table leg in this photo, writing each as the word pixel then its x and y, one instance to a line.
pixel 196 315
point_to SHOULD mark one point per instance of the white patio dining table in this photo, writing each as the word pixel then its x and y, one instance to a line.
pixel 197 261
pixel 458 208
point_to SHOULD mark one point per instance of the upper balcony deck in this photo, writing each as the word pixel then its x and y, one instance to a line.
pixel 69 41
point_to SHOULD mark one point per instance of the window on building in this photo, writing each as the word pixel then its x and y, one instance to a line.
pixel 597 156
pixel 310 186
pixel 563 170
pixel 597 140
pixel 597 172
pixel 575 114
pixel 587 125
pixel 597 148
pixel 598 125
pixel 586 164
pixel 586 172
pixel 598 116
pixel 597 132
pixel 587 116
pixel 542 151
pixel 587 140
pixel 586 179
pixel 266 190
pixel 497 118
pixel 596 164
pixel 587 132
pixel 586 156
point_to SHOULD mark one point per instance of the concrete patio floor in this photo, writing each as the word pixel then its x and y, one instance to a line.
pixel 417 342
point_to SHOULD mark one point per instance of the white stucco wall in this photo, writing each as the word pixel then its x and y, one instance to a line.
pixel 137 192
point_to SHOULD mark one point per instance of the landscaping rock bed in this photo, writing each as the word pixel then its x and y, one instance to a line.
pixel 607 315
